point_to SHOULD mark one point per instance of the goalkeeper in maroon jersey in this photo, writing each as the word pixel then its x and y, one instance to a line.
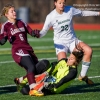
pixel 15 31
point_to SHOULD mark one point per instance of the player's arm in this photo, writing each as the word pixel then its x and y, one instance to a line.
pixel 38 33
pixel 52 70
pixel 46 26
pixel 29 30
pixel 84 13
pixel 3 39
pixel 70 76
pixel 3 36
pixel 90 13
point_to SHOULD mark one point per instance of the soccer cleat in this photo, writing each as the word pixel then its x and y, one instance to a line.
pixel 40 78
pixel 20 85
pixel 34 92
pixel 86 79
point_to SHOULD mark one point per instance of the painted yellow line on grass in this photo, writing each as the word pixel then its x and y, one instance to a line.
pixel 36 51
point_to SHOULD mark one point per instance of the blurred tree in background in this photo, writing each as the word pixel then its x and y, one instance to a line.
pixel 36 10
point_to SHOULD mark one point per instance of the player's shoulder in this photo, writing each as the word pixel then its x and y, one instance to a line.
pixel 6 24
pixel 20 20
pixel 68 8
pixel 52 14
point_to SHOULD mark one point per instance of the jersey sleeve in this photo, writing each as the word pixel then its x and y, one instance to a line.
pixel 70 76
pixel 28 28
pixel 76 12
pixel 3 35
pixel 90 13
pixel 46 26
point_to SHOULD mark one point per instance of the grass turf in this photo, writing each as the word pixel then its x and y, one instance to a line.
pixel 44 49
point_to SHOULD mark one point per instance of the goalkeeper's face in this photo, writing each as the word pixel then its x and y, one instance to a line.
pixel 71 60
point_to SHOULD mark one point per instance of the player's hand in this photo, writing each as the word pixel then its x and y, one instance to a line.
pixel 50 86
pixel 36 33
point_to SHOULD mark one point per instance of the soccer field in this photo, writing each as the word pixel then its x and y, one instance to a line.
pixel 44 49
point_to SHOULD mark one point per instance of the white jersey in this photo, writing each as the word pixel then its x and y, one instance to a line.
pixel 62 23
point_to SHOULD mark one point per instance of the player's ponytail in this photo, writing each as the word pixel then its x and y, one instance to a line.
pixel 54 4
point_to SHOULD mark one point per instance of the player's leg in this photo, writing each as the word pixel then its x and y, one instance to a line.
pixel 86 62
pixel 86 59
pixel 29 65
pixel 60 51
pixel 21 82
pixel 42 66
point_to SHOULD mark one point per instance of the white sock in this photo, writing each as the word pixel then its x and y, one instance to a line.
pixel 20 79
pixel 85 66
pixel 32 85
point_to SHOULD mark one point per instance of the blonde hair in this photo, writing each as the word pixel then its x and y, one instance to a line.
pixel 5 9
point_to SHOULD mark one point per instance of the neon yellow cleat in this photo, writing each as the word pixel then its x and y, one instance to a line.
pixel 20 85
pixel 35 93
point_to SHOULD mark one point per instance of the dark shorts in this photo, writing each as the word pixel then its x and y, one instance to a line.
pixel 22 52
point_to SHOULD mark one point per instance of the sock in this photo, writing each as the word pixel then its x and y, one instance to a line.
pixel 31 78
pixel 22 78
pixel 32 85
pixel 85 66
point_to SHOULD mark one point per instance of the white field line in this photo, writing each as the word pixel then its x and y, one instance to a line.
pixel 91 37
pixel 3 62
pixel 90 77
pixel 15 85
pixel 54 58
pixel 47 47
pixel 51 39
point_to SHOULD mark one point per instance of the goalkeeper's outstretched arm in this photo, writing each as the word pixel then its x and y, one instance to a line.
pixel 70 76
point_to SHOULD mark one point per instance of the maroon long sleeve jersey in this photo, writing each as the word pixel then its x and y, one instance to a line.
pixel 16 33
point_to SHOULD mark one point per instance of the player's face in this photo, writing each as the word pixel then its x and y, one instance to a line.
pixel 60 5
pixel 11 14
pixel 71 60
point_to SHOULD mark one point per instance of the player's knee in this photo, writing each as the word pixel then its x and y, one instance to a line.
pixel 46 63
pixel 88 51
pixel 42 66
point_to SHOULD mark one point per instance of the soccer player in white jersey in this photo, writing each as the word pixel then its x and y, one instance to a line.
pixel 64 36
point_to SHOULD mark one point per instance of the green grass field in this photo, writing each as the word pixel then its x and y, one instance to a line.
pixel 44 49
